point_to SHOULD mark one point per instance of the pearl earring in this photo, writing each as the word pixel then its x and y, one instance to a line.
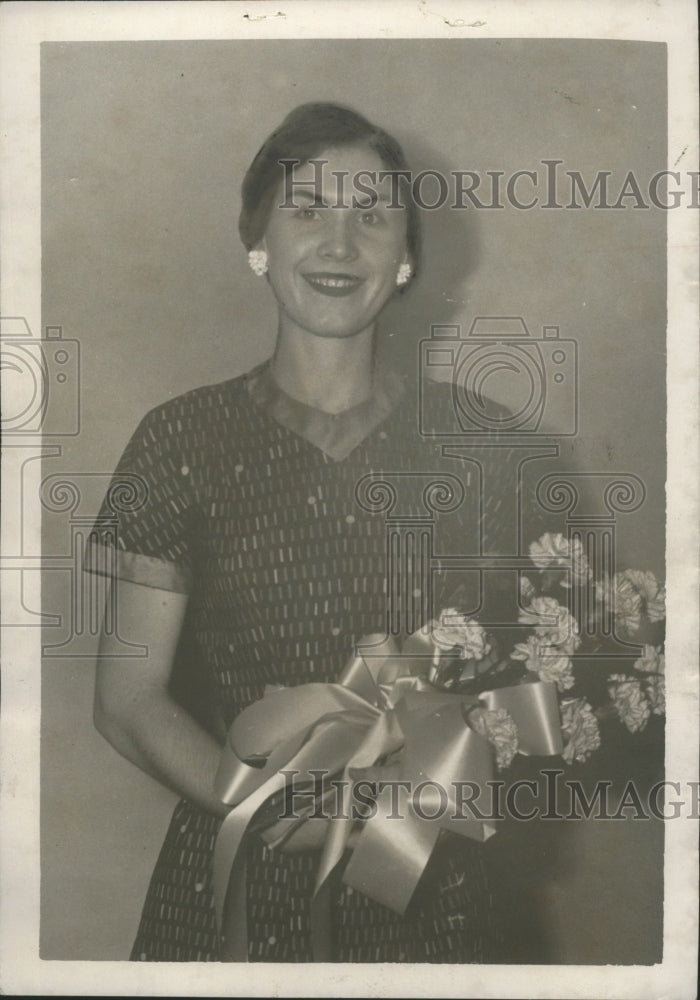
pixel 403 275
pixel 258 262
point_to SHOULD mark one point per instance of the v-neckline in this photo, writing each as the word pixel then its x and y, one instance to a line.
pixel 335 434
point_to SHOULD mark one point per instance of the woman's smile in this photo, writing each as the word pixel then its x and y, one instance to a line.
pixel 333 267
pixel 333 283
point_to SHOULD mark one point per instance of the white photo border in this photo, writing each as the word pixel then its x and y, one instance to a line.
pixel 25 26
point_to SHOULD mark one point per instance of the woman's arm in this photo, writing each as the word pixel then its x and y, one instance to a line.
pixel 133 709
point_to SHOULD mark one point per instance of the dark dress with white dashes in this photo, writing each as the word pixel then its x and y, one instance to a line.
pixel 252 509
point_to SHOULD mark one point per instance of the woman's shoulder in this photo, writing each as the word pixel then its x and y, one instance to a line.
pixel 202 405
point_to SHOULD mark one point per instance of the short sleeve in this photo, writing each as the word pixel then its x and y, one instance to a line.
pixel 145 528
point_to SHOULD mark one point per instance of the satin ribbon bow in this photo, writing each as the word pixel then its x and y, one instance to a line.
pixel 382 704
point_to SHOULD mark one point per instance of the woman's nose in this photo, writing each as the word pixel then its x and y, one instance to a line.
pixel 338 242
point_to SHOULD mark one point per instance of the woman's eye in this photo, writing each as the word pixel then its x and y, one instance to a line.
pixel 369 218
pixel 308 214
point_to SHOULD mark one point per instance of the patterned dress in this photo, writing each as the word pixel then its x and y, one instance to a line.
pixel 253 508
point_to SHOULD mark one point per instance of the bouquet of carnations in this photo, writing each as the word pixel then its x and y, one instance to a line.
pixel 555 650
pixel 434 716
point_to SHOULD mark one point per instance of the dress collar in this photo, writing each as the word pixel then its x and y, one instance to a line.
pixel 336 434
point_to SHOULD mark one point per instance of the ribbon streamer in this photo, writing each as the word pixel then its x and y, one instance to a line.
pixel 382 704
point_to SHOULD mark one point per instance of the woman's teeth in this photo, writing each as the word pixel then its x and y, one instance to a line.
pixel 337 284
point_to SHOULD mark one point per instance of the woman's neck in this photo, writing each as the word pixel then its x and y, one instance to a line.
pixel 331 374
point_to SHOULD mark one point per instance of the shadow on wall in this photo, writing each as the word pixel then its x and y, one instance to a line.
pixel 450 252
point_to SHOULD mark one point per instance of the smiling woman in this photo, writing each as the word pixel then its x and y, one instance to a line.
pixel 340 251
pixel 254 561
pixel 333 262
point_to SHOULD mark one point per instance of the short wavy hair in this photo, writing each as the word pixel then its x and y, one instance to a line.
pixel 306 132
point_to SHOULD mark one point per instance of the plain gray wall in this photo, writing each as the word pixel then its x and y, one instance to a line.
pixel 144 146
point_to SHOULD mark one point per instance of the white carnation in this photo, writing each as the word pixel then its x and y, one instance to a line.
pixel 580 726
pixel 547 661
pixel 655 690
pixel 527 590
pixel 553 623
pixel 455 630
pixel 623 599
pixel 500 730
pixel 650 590
pixel 554 550
pixel 652 662
pixel 550 550
pixel 629 700
pixel 653 665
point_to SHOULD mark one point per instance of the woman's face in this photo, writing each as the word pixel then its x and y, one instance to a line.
pixel 334 268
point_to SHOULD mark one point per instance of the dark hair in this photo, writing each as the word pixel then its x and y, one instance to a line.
pixel 305 133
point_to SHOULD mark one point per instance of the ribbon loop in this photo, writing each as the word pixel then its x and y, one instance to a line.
pixel 383 704
pixel 534 707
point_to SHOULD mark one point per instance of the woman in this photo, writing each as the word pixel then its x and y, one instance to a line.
pixel 252 562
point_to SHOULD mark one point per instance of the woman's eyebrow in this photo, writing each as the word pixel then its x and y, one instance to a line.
pixel 354 197
pixel 315 198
